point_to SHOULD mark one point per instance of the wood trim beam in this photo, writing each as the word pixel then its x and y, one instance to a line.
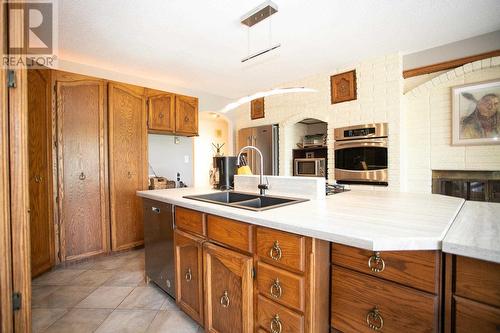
pixel 448 64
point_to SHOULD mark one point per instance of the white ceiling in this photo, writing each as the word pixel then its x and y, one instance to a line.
pixel 199 44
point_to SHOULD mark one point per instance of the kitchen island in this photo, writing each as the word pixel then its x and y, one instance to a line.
pixel 356 261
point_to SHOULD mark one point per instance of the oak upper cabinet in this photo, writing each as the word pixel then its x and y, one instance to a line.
pixel 186 115
pixel 161 111
pixel 81 166
pixel 228 288
pixel 40 171
pixel 189 274
pixel 128 163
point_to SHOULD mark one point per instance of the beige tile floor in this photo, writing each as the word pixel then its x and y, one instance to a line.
pixel 108 294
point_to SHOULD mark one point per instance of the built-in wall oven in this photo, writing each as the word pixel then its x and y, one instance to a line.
pixel 361 154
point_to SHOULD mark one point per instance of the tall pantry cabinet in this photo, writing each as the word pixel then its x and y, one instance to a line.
pixel 83 227
pixel 128 163
pixel 88 157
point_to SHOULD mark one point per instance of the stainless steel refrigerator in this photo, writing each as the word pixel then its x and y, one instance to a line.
pixel 266 139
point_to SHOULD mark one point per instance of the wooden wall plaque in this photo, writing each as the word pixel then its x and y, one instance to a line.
pixel 343 87
pixel 257 108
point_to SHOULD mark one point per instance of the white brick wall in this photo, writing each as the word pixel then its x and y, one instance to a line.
pixel 428 128
pixel 379 98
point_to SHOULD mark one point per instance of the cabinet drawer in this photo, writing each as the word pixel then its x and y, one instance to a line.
pixel 276 318
pixel 281 248
pixel 478 280
pixel 230 232
pixel 468 315
pixel 417 269
pixel 190 220
pixel 358 298
pixel 281 286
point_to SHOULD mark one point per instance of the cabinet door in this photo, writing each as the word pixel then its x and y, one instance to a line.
pixel 228 290
pixel 161 113
pixel 128 164
pixel 82 197
pixel 189 271
pixel 186 115
pixel 40 175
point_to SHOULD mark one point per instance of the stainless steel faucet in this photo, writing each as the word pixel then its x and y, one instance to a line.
pixel 262 187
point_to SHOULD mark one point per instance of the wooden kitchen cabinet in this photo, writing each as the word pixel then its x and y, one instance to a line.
pixel 161 111
pixel 472 295
pixel 186 115
pixel 392 291
pixel 128 163
pixel 189 274
pixel 40 170
pixel 82 204
pixel 228 285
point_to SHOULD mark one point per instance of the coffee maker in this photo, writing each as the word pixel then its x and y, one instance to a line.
pixel 224 169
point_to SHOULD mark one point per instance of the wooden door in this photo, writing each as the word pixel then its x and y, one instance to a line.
pixel 40 175
pixel 189 274
pixel 81 159
pixel 228 290
pixel 128 164
pixel 186 115
pixel 161 112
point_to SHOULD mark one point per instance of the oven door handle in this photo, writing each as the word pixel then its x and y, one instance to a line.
pixel 361 143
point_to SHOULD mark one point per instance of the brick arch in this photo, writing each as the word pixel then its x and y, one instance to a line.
pixel 285 142
pixel 453 74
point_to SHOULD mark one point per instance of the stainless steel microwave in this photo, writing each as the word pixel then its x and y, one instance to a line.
pixel 309 167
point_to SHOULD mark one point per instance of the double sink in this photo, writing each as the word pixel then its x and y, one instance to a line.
pixel 248 201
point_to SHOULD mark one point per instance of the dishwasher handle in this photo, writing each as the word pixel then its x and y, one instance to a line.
pixel 155 210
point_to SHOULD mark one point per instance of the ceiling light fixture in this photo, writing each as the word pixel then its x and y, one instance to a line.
pixel 277 91
pixel 256 15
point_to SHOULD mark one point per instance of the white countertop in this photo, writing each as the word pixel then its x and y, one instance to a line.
pixel 373 220
pixel 476 232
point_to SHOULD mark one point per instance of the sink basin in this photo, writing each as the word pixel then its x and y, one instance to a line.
pixel 248 201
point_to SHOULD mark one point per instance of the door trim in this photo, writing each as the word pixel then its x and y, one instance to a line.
pixel 5 246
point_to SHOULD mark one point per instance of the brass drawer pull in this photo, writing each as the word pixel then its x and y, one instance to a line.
pixel 374 319
pixel 376 263
pixel 276 326
pixel 38 179
pixel 160 115
pixel 276 290
pixel 224 300
pixel 189 275
pixel 275 251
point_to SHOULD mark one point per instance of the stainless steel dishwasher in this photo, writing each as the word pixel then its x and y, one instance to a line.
pixel 159 244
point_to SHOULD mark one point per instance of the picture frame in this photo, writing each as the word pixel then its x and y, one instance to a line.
pixel 343 87
pixel 257 108
pixel 476 113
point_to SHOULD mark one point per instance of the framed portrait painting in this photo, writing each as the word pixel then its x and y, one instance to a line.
pixel 476 113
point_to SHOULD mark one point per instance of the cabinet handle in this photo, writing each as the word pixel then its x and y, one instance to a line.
pixel 374 319
pixel 275 251
pixel 224 300
pixel 276 290
pixel 129 175
pixel 376 263
pixel 160 115
pixel 82 176
pixel 38 179
pixel 155 210
pixel 189 275
pixel 186 119
pixel 276 326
